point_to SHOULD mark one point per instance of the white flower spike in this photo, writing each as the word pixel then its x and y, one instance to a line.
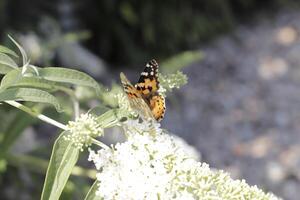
pixel 157 167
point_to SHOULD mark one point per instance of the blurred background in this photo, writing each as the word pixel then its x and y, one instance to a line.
pixel 240 108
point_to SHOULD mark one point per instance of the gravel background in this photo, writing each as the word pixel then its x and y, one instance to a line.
pixel 241 107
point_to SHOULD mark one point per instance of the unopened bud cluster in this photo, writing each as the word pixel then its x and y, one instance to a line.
pixel 171 81
pixel 83 130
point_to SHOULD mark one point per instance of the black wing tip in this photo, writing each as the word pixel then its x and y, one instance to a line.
pixel 153 62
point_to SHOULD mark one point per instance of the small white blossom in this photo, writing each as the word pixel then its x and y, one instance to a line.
pixel 149 166
pixel 141 126
pixel 82 130
pixel 189 150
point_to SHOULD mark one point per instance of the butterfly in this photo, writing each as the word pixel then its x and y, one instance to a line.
pixel 144 96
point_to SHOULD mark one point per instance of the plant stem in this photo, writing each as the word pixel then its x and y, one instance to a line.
pixel 104 146
pixel 35 114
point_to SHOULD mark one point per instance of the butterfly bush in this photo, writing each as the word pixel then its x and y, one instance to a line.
pixel 149 166
pixel 152 164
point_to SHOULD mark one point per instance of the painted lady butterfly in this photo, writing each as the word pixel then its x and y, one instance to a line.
pixel 144 96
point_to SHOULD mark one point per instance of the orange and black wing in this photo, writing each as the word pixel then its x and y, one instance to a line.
pixel 157 106
pixel 145 92
pixel 135 99
pixel 129 89
pixel 148 86
pixel 148 83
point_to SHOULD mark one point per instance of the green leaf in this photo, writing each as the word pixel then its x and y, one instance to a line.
pixel 64 75
pixel 29 94
pixel 63 158
pixel 8 51
pixel 98 110
pixel 15 79
pixel 4 69
pixel 180 61
pixel 109 97
pixel 111 118
pixel 91 195
pixel 6 64
pixel 24 55
pixel 14 130
pixel 10 78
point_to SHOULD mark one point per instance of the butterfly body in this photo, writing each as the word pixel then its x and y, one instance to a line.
pixel 144 96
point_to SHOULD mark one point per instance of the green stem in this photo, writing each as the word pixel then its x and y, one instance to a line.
pixel 35 114
pixel 109 119
pixel 104 146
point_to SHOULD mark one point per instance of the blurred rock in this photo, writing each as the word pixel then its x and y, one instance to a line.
pixel 271 68
pixel 286 35
pixel 241 106
pixel 276 172
pixel 76 56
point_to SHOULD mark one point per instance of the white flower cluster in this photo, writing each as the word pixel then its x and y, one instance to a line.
pixel 189 150
pixel 156 167
pixel 140 126
pixel 82 130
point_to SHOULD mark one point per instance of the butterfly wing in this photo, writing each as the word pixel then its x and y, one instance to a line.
pixel 148 83
pixel 144 93
pixel 148 86
pixel 131 91
pixel 157 106
pixel 135 99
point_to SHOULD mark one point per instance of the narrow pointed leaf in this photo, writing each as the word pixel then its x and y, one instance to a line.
pixel 24 55
pixel 63 158
pixel 5 69
pixel 180 61
pixel 13 131
pixel 6 64
pixel 15 79
pixel 72 76
pixel 6 60
pixel 98 110
pixel 91 195
pixel 29 94
pixel 8 51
